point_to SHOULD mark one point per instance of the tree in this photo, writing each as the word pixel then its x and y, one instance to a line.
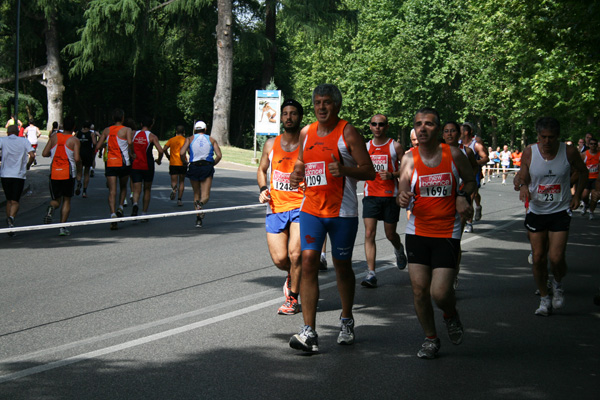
pixel 222 99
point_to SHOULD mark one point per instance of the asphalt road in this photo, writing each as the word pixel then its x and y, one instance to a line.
pixel 162 310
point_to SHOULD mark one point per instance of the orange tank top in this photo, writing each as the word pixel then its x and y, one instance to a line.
pixel 175 145
pixel 283 197
pixel 433 208
pixel 384 158
pixel 115 156
pixel 327 196
pixel 61 162
pixel 591 162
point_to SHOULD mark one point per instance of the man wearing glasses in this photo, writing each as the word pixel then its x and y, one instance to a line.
pixel 379 203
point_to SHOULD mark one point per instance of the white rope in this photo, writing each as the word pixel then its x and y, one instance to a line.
pixel 126 219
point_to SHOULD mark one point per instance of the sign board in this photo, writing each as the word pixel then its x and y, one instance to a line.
pixel 266 112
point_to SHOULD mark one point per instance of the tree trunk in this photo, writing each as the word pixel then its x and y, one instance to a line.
pixel 494 132
pixel 268 70
pixel 222 99
pixel 52 77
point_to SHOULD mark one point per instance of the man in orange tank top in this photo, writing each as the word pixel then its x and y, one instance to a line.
pixel 379 203
pixel 118 163
pixel 429 187
pixel 66 165
pixel 332 157
pixel 177 169
pixel 591 158
pixel 283 212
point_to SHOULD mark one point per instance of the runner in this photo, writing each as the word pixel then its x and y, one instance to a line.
pixel 482 158
pixel 17 157
pixel 489 166
pixel 505 157
pixel 176 168
pixel 88 144
pixel 118 165
pixel 429 186
pixel 142 167
pixel 451 134
pixel 591 158
pixel 63 147
pixel 204 155
pixel 33 133
pixel 543 183
pixel 332 157
pixel 283 203
pixel 379 203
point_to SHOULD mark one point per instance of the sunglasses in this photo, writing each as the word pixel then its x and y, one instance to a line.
pixel 379 124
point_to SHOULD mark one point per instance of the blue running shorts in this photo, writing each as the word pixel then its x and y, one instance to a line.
pixel 279 222
pixel 342 233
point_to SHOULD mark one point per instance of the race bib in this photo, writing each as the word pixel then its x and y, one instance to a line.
pixel 549 193
pixel 593 168
pixel 281 181
pixel 314 174
pixel 437 185
pixel 380 162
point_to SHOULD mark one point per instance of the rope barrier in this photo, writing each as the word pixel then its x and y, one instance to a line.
pixel 126 219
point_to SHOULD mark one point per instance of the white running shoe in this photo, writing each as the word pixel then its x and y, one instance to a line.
pixel 468 228
pixel 477 216
pixel 530 258
pixel 591 216
pixel 558 298
pixel 545 307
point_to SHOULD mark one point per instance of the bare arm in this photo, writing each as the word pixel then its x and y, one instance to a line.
pixel 364 171
pixel 463 205
pixel 523 178
pixel 217 150
pixel 297 176
pixel 184 148
pixel 582 172
pixel 102 139
pixel 261 173
pixel 156 143
pixel 406 170
pixel 482 152
pixel 47 152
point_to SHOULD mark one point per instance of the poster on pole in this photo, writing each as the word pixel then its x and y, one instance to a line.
pixel 266 112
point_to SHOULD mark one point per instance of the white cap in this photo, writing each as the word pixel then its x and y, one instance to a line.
pixel 200 125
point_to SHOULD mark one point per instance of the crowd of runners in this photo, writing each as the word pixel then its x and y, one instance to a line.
pixel 127 149
pixel 308 178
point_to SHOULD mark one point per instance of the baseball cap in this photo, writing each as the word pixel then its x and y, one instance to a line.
pixel 294 103
pixel 200 125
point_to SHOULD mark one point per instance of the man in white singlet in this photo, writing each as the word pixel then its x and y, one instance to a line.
pixel 544 182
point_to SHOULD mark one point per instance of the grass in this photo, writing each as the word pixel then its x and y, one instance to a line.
pixel 240 156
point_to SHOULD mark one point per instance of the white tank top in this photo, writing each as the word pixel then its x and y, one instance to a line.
pixel 550 185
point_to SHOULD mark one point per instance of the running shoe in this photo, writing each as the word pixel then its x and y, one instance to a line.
pixel 287 287
pixel 401 260
pixel 48 216
pixel 545 307
pixel 78 190
pixel 84 194
pixel 468 228
pixel 323 263
pixel 306 340
pixel 119 212
pixel 63 232
pixel 173 191
pixel 198 222
pixel 346 335
pixel 179 203
pixel 134 210
pixel 429 348
pixel 530 258
pixel 584 210
pixel 370 281
pixel 558 298
pixel 591 216
pixel 477 216
pixel 548 285
pixel 125 203
pixel 91 173
pixel 10 221
pixel 455 329
pixel 290 307
pixel 113 225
